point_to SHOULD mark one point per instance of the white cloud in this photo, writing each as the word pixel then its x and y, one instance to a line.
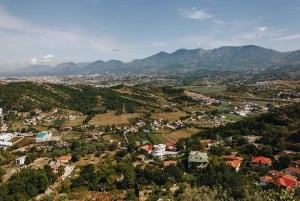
pixel 195 13
pixel 289 37
pixel 33 61
pixel 47 58
pixel 37 37
pixel 261 29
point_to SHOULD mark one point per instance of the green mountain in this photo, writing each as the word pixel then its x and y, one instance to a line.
pixel 183 60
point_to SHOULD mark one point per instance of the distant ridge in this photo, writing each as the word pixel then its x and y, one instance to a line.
pixel 222 58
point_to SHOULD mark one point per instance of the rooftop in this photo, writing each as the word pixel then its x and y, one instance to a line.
pixel 198 157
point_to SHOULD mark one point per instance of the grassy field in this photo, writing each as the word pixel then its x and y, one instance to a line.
pixel 232 117
pixel 206 89
pixel 77 121
pixel 171 116
pixel 71 136
pixel 110 118
pixel 112 137
pixel 173 136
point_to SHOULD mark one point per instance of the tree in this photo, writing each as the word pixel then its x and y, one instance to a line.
pixel 174 171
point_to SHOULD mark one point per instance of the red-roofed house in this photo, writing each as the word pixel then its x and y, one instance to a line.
pixel 234 164
pixel 274 173
pixel 64 159
pixel 292 171
pixel 261 161
pixel 147 148
pixel 287 182
pixel 296 163
pixel 265 180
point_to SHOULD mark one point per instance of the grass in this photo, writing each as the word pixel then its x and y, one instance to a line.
pixel 71 136
pixel 110 118
pixel 173 136
pixel 112 137
pixel 232 117
pixel 206 89
pixel 77 121
pixel 171 116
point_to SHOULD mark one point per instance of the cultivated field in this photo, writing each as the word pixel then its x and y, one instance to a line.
pixel 171 116
pixel 110 118
pixel 173 136
pixel 206 89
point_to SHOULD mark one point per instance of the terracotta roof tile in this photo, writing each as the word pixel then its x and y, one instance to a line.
pixel 261 159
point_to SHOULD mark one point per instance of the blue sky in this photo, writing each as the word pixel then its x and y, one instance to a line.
pixel 55 31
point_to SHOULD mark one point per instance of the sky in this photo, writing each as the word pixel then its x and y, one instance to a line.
pixel 49 32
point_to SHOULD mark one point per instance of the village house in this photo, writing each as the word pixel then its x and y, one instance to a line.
pixel 5 140
pixel 287 182
pixel 169 162
pixel 294 171
pixel 20 161
pixel 54 166
pixel 147 148
pixel 233 161
pixel 64 159
pixel 198 159
pixel 159 150
pixel 261 161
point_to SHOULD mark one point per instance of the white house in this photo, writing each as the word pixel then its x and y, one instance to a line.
pixel 20 161
pixel 6 137
pixel 159 150
pixel 5 145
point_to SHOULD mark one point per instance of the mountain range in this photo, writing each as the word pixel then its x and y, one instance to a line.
pixel 182 60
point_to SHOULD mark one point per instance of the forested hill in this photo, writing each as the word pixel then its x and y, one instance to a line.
pixel 279 128
pixel 27 96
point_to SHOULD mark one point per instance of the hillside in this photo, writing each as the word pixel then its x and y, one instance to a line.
pixel 26 96
pixel 278 128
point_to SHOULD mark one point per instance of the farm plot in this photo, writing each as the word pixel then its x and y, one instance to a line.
pixel 111 118
pixel 173 136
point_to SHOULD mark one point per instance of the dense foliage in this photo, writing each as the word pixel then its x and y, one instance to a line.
pixel 26 184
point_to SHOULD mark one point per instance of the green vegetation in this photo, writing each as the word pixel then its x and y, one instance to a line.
pixel 26 184
pixel 206 89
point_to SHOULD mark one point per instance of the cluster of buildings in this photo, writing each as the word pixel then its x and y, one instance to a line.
pixel 243 111
pixel 200 97
pixel 5 140
pixel 288 178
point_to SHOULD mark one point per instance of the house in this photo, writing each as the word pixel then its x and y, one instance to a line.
pixel 141 157
pixel 147 148
pixel 43 136
pixel 265 180
pixel 5 145
pixel 233 161
pixel 294 171
pixel 64 159
pixel 159 150
pixel 169 162
pixel 261 161
pixel 6 137
pixel 296 163
pixel 54 166
pixel 275 173
pixel 20 161
pixel 287 182
pixel 198 159
pixel 235 164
